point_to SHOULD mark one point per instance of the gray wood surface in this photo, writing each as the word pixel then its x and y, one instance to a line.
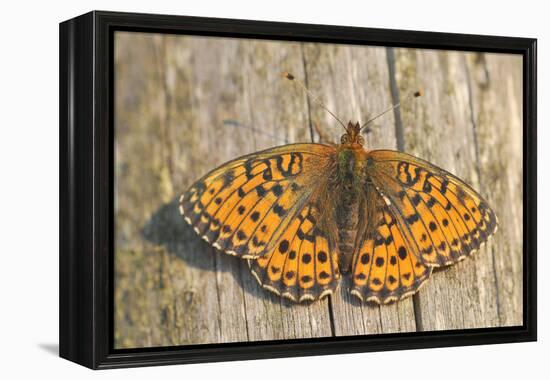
pixel 185 105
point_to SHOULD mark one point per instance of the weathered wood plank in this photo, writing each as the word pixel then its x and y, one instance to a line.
pixel 174 98
pixel 496 84
pixel 173 282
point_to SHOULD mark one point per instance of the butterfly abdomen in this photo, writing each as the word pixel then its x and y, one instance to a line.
pixel 347 215
pixel 348 183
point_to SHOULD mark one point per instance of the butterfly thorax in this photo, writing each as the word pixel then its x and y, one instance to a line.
pixel 349 181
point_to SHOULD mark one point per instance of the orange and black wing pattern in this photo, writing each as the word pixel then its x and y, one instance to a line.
pixel 276 208
pixel 303 265
pixel 427 216
pixel 265 207
pixel 445 216
pixel 244 205
pixel 385 265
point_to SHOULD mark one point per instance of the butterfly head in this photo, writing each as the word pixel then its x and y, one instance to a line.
pixel 352 135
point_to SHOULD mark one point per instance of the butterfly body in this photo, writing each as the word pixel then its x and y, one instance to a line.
pixel 304 214
pixel 350 186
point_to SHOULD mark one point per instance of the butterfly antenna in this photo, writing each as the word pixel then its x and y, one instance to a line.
pixel 291 77
pixel 415 94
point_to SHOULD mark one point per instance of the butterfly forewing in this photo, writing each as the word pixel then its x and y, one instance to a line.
pixel 444 216
pixel 242 206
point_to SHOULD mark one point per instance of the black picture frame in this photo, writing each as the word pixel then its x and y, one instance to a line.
pixel 86 188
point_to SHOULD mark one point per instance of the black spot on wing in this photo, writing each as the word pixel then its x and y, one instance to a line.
pixel 260 190
pixel 411 219
pixel 279 210
pixel 241 235
pixel 402 252
pixel 283 246
pixel 277 190
pixel 248 166
pixel 378 241
pixel 257 243
pixel 255 216
pixel 444 185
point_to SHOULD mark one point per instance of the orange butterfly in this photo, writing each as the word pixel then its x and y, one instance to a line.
pixel 304 214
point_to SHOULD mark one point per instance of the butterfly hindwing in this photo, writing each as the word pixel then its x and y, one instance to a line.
pixel 445 217
pixel 243 206
pixel 385 267
pixel 303 264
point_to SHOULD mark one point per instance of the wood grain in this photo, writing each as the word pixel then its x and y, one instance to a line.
pixel 187 104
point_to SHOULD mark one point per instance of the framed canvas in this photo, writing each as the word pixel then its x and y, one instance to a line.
pixel 236 189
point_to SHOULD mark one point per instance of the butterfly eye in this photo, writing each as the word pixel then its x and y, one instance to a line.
pixel 361 140
pixel 344 139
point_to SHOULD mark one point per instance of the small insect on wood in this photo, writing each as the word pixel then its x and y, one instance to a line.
pixel 305 214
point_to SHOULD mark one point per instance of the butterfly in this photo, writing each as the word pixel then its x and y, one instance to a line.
pixel 306 214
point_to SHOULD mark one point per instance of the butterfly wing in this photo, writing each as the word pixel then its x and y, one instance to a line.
pixel 243 206
pixel 267 207
pixel 427 218
pixel 445 216
pixel 303 265
pixel 384 266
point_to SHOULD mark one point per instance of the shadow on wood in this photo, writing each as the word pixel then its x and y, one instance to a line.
pixel 167 228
